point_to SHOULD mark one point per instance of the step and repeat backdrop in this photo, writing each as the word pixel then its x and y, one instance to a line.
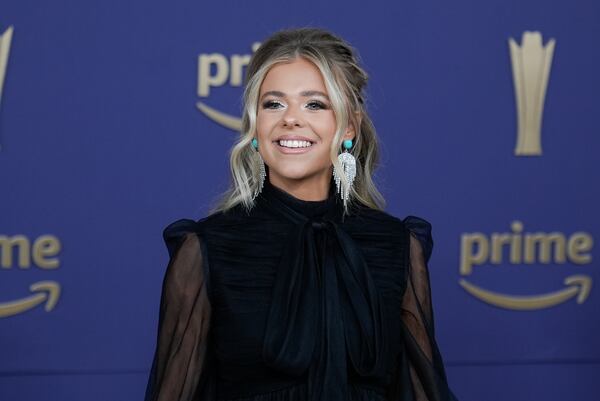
pixel 116 118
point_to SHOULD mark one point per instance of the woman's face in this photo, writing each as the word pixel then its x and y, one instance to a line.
pixel 296 126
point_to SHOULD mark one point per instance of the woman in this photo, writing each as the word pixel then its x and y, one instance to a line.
pixel 298 286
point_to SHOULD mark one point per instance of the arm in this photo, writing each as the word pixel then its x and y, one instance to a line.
pixel 420 375
pixel 181 368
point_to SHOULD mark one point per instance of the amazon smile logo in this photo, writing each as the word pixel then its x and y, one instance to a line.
pixel 43 253
pixel 517 247
pixel 216 70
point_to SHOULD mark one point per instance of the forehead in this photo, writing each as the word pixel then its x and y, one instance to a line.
pixel 293 77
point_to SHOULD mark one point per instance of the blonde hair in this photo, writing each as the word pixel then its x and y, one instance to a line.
pixel 344 80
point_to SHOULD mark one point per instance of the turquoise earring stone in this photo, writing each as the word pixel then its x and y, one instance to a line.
pixel 348 143
pixel 255 143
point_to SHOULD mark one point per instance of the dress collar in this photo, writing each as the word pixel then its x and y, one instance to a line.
pixel 299 209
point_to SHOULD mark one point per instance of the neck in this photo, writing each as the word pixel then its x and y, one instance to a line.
pixel 313 189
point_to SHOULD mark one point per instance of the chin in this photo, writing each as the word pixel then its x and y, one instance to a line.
pixel 294 177
pixel 292 174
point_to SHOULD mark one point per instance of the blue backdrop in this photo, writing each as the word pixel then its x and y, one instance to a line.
pixel 103 143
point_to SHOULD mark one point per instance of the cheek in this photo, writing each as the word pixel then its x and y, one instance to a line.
pixel 265 122
pixel 325 128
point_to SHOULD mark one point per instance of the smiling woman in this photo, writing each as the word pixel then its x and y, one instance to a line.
pixel 306 84
pixel 288 291
pixel 296 128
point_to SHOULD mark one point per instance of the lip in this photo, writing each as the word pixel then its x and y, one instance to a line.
pixel 285 150
pixel 293 138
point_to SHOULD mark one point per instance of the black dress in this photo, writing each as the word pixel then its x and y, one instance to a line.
pixel 295 302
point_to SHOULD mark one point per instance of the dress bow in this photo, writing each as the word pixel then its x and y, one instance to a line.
pixel 326 314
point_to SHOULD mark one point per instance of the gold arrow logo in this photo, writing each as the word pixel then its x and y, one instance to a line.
pixel 47 291
pixel 231 122
pixel 578 286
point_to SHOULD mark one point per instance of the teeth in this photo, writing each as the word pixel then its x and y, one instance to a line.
pixel 294 144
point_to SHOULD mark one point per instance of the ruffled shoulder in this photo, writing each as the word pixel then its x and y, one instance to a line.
pixel 421 228
pixel 175 232
pixel 183 361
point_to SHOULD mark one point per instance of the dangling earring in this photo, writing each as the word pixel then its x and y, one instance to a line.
pixel 348 163
pixel 261 168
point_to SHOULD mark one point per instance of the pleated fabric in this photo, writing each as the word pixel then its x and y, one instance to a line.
pixel 294 301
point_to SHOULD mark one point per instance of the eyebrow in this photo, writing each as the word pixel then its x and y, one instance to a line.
pixel 303 93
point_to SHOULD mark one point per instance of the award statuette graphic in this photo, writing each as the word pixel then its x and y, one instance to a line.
pixel 5 40
pixel 531 68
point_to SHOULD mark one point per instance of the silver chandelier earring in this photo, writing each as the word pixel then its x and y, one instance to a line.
pixel 348 163
pixel 261 168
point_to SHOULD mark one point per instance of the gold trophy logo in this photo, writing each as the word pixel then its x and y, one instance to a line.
pixel 5 40
pixel 531 68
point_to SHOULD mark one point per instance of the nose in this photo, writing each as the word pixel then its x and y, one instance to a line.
pixel 291 118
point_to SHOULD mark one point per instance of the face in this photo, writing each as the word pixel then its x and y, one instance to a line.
pixel 296 125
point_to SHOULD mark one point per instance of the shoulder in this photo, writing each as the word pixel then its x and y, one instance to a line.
pixel 177 231
pixel 415 224
pixel 388 225
pixel 421 230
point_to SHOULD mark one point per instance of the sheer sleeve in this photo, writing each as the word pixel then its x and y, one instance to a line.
pixel 182 368
pixel 420 375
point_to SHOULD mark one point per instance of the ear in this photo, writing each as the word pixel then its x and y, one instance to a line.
pixel 351 130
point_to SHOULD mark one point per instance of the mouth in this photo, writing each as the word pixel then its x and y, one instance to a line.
pixel 294 146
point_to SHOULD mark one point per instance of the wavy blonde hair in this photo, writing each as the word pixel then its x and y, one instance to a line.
pixel 344 80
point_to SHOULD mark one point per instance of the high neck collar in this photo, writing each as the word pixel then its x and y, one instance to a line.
pixel 306 208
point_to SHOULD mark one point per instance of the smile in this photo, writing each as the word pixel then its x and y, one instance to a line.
pixel 293 146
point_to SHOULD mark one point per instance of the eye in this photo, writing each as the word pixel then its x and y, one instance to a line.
pixel 316 105
pixel 271 104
